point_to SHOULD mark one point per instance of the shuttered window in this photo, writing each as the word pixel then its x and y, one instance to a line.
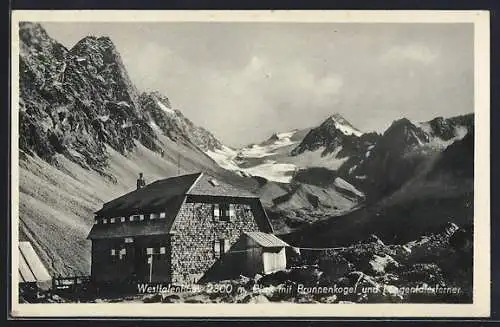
pixel 136 217
pixel 226 212
pixel 217 249
pixel 221 246
pixel 215 212
pixel 231 212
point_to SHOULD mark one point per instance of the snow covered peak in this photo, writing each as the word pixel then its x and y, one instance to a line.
pixel 339 122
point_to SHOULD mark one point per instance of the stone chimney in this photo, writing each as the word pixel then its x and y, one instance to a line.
pixel 141 182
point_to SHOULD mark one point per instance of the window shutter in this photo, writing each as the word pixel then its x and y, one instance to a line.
pixel 231 212
pixel 226 245
pixel 217 248
pixel 215 212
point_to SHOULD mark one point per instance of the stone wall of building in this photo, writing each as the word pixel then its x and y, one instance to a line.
pixel 194 233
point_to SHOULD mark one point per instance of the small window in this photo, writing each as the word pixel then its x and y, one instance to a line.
pixel 224 212
pixel 131 218
pixel 221 246
pixel 122 219
pixel 153 216
pixel 104 221
pixel 112 221
pixel 129 240
pixel 217 248
pixel 113 252
pixel 123 253
pixel 163 215
pixel 215 212
pixel 163 250
pixel 141 217
pixel 149 251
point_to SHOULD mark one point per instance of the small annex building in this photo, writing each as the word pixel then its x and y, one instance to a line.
pixel 174 230
pixel 33 276
pixel 261 253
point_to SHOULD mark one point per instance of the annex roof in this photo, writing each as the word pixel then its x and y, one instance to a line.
pixel 31 268
pixel 266 240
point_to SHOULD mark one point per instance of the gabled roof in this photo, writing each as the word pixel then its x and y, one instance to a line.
pixel 31 268
pixel 167 195
pixel 266 240
pixel 155 195
pixel 208 185
pixel 159 193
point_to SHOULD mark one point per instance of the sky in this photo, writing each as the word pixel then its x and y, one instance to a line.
pixel 246 81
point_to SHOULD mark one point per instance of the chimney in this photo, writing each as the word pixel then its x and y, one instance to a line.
pixel 140 181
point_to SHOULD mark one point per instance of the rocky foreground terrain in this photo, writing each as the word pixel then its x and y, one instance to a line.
pixel 436 268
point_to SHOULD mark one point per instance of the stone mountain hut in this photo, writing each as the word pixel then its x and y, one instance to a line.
pixel 174 230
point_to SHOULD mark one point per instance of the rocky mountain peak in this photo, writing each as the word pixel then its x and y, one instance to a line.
pixel 442 128
pixel 331 134
pixel 157 96
pixel 90 44
pixel 35 36
pixel 403 133
pixel 173 124
pixel 337 117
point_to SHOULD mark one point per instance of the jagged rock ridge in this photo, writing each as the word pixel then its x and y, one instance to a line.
pixel 76 102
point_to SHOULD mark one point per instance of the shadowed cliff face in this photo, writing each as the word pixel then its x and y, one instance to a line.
pixel 75 102
pixel 405 150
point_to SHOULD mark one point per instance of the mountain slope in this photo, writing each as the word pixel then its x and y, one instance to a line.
pixel 442 192
pixel 85 134
pixel 403 150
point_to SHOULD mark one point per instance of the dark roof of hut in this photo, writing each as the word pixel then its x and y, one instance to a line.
pixel 160 193
pixel 165 195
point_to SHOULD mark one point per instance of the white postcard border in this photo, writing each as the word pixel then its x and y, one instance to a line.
pixel 481 275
